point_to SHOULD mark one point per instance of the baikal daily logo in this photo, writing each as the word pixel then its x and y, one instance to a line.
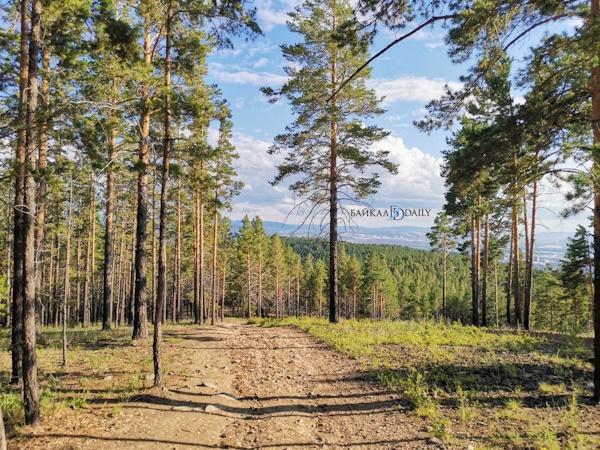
pixel 394 212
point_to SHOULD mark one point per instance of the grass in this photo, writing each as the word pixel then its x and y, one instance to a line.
pixel 490 388
pixel 102 367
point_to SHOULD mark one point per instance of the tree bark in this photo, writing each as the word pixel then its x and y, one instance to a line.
pixel 67 292
pixel 18 240
pixel 42 167
pixel 334 315
pixel 109 229
pixel 140 318
pixel 595 82
pixel 486 254
pixel 214 291
pixel 161 299
pixel 30 381
pixel 530 256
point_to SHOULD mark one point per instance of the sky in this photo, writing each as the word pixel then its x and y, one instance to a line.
pixel 408 76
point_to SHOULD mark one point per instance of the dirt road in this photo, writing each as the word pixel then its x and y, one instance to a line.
pixel 243 387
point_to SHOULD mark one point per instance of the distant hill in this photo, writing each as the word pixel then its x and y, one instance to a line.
pixel 550 246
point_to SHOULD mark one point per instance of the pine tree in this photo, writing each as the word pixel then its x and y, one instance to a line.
pixel 331 170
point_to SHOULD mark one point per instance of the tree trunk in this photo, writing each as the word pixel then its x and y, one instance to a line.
pixel 213 295
pixel 154 254
pixel 42 167
pixel 530 257
pixel 516 281
pixel 595 82
pixel 474 273
pixel 259 273
pixel 177 288
pixel 92 301
pixel 496 308
pixel 197 312
pixel 131 302
pixel 444 276
pixel 486 254
pixel 509 279
pixel 140 318
pixel 18 240
pixel 109 229
pixel 334 315
pixel 85 317
pixel 30 381
pixel 67 292
pixel 201 287
pixel 161 300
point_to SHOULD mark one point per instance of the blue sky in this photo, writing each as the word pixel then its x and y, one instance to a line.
pixel 409 76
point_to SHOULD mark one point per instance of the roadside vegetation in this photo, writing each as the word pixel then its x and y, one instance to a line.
pixel 472 386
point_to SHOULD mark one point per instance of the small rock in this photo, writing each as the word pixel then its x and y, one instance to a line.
pixel 435 441
pixel 149 376
pixel 211 409
pixel 470 447
pixel 171 372
pixel 108 377
pixel 208 384
pixel 228 396
pixel 590 386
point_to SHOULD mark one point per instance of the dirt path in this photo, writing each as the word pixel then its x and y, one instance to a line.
pixel 243 387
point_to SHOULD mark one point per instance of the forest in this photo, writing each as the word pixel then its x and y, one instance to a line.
pixel 119 171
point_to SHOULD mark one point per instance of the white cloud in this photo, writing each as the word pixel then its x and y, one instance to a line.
pixel 418 178
pixel 271 14
pixel 410 88
pixel 220 73
pixel 260 63
pixel 418 183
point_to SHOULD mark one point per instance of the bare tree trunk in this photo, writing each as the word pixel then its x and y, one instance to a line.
pixel 197 311
pixel 161 300
pixel 85 318
pixel 154 254
pixel 30 381
pixel 119 319
pixel 177 288
pixel 18 240
pixel 42 166
pixel 595 83
pixel 509 279
pixel 78 282
pixel 516 281
pixel 474 272
pixel 67 292
pixel 131 309
pixel 530 257
pixel 109 228
pixel 140 318
pixel 334 314
pixel 213 294
pixel 201 286
pixel 259 273
pixel 496 308
pixel 93 293
pixel 486 255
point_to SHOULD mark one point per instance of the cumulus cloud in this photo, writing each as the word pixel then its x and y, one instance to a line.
pixel 418 183
pixel 410 88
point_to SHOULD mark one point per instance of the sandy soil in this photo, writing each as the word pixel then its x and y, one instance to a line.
pixel 243 387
